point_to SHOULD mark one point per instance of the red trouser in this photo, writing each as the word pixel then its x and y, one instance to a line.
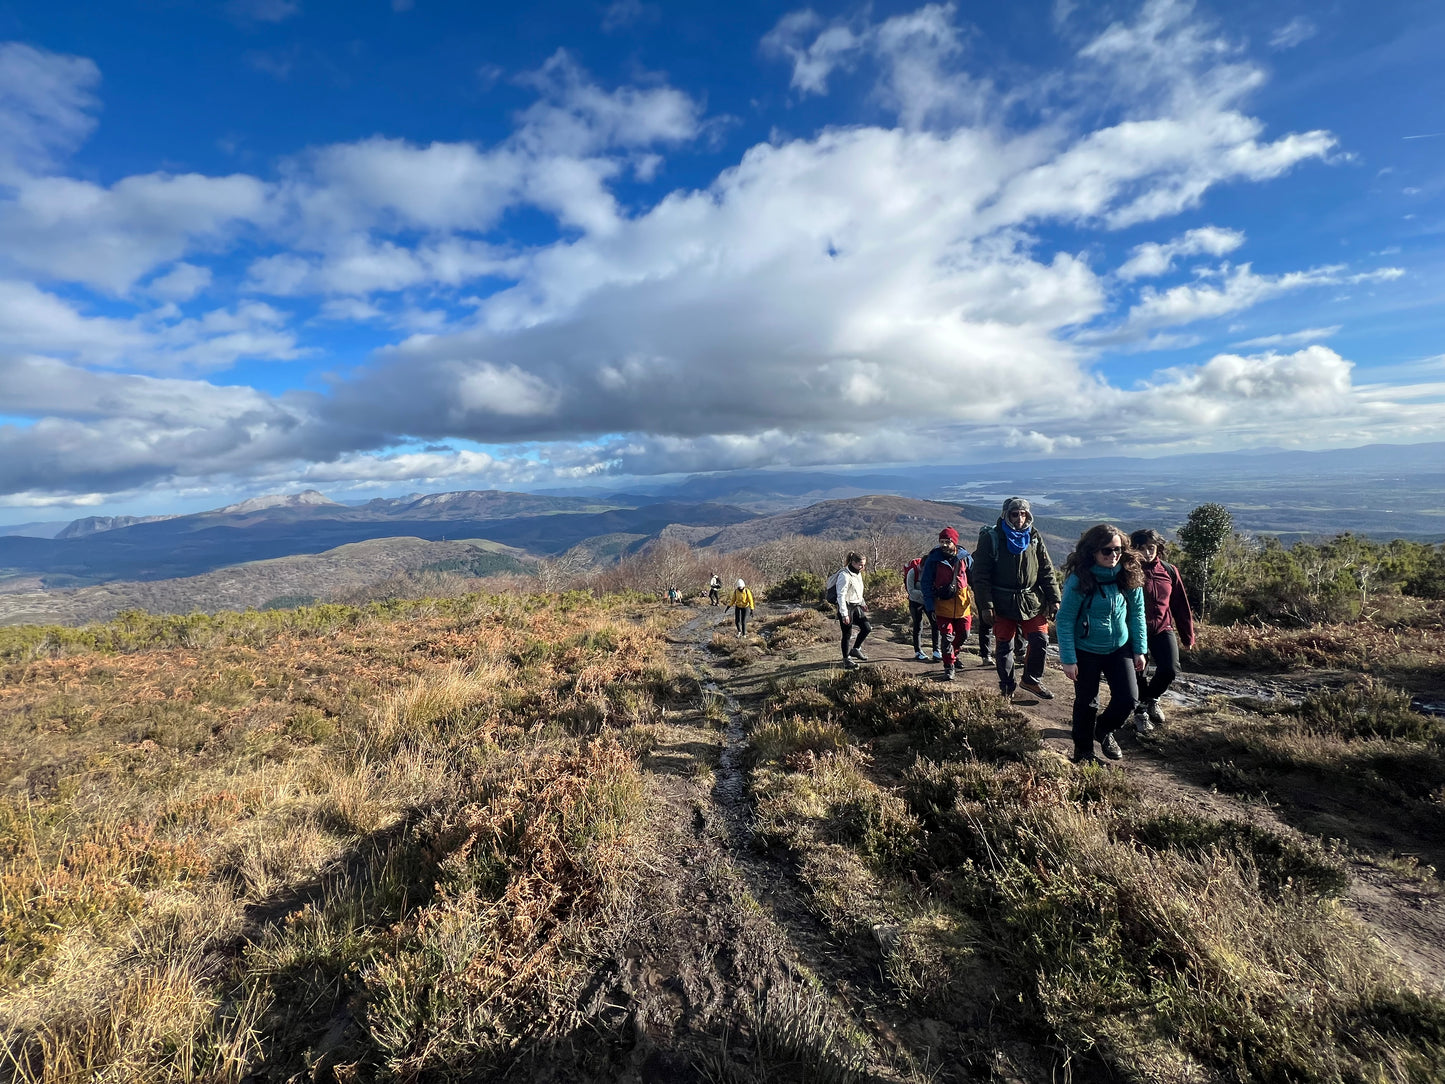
pixel 952 631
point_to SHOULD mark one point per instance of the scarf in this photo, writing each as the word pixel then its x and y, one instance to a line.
pixel 1017 541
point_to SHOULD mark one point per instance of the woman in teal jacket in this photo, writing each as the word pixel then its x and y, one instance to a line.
pixel 1102 634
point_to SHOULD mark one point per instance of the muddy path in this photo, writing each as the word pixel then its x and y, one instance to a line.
pixel 1404 910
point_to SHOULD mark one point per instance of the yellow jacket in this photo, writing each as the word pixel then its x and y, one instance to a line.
pixel 743 599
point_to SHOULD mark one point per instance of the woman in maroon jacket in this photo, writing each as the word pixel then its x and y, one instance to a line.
pixel 1166 612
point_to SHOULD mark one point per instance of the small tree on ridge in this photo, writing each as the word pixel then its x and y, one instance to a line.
pixel 1202 536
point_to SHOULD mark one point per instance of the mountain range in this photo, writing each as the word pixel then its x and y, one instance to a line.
pixel 1379 491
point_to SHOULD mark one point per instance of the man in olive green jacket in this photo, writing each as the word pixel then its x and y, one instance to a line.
pixel 1016 590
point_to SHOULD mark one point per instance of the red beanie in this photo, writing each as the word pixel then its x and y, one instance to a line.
pixel 948 534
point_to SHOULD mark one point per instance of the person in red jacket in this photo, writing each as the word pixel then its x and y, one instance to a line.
pixel 1170 623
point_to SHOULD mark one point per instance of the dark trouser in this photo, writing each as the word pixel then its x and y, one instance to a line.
pixel 918 612
pixel 712 596
pixel 1164 654
pixel 985 642
pixel 857 619
pixel 740 619
pixel 1090 724
pixel 1036 631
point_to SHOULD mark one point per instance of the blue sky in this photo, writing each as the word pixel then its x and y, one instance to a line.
pixel 383 246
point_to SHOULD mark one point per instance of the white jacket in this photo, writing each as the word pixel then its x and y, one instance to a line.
pixel 850 589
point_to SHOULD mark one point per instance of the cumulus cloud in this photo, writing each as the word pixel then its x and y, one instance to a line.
pixel 850 295
pixel 915 54
pixel 1152 258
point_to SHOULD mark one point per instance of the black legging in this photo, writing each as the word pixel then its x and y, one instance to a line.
pixel 917 610
pixel 1164 654
pixel 740 619
pixel 857 619
pixel 1090 724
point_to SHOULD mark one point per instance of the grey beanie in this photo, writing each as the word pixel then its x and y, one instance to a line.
pixel 1017 504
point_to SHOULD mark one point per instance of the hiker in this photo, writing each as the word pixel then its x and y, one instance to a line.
pixel 845 589
pixel 1169 621
pixel 1015 589
pixel 741 600
pixel 714 588
pixel 674 595
pixel 1102 634
pixel 944 579
pixel 917 610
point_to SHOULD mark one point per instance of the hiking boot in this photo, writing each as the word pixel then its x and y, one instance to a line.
pixel 849 664
pixel 1084 756
pixel 920 656
pixel 937 655
pixel 1152 712
pixel 856 654
pixel 1110 745
pixel 948 673
pixel 1005 692
pixel 1142 725
pixel 1036 688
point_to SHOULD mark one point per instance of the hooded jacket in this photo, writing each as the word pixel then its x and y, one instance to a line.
pixel 1102 621
pixel 741 597
pixel 1018 586
pixel 938 567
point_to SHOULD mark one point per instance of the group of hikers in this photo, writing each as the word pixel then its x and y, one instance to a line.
pixel 1121 605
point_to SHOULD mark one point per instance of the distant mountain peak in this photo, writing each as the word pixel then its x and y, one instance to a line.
pixel 276 500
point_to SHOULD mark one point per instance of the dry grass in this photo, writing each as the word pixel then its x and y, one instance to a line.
pixel 1155 943
pixel 218 832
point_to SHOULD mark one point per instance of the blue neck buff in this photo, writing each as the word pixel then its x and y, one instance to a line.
pixel 1105 574
pixel 1017 541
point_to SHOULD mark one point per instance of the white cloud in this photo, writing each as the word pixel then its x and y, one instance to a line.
pixel 848 296
pixel 76 231
pixel 1296 31
pixel 161 339
pixel 181 283
pixel 916 54
pixel 1152 259
pixel 1293 338
pixel 1240 288
pixel 47 102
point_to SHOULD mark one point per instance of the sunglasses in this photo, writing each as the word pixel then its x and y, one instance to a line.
pixel 1112 549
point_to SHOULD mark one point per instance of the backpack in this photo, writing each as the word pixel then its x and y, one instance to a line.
pixel 913 568
pixel 831 596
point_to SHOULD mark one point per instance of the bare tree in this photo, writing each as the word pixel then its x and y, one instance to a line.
pixel 564 570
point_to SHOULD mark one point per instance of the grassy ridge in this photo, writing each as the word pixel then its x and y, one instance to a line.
pixel 368 840
pixel 1108 928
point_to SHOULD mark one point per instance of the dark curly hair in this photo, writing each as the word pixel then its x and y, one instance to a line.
pixel 1149 537
pixel 1081 562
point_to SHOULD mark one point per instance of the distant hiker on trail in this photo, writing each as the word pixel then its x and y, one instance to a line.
pixel 1102 633
pixel 714 588
pixel 917 610
pixel 674 595
pixel 741 600
pixel 1169 621
pixel 845 590
pixel 1015 588
pixel 944 578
